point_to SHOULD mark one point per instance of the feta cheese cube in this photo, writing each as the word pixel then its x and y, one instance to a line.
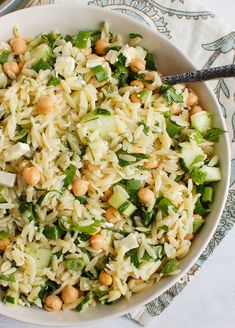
pixel 15 152
pixel 7 179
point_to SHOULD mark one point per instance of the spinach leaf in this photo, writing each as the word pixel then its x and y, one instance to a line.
pixel 100 73
pixel 169 267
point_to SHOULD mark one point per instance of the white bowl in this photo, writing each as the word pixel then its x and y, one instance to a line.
pixel 69 19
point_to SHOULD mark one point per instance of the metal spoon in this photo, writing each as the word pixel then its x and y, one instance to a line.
pixel 201 75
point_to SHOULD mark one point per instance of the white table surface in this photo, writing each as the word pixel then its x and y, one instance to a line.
pixel 209 300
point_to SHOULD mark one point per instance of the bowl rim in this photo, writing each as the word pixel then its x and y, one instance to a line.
pixel 132 307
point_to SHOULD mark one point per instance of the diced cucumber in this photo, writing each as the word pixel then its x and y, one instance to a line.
pixel 120 202
pixel 11 297
pixel 213 173
pixel 197 224
pixel 99 122
pixel 42 257
pixel 202 121
pixel 117 199
pixel 207 195
pixel 42 51
pixel 164 205
pixel 189 153
pixel 129 210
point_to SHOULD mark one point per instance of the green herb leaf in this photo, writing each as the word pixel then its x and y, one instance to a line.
pixel 121 73
pixel 100 73
pixel 133 254
pixel 146 127
pixel 213 134
pixel 169 267
pixel 137 156
pixel 41 64
pixel 53 232
pixel 164 205
pixel 147 217
pixel 103 111
pixel 82 38
pixel 43 195
pixel 53 81
pixel 9 299
pixel 165 228
pixel 198 159
pixel 121 59
pixel 84 301
pixel 89 228
pixel 27 206
pixel 70 173
pixel 150 62
pixel 170 94
pixel 4 57
pixel 172 128
pixel 68 38
pixel 198 176
pixel 9 278
pixel 81 199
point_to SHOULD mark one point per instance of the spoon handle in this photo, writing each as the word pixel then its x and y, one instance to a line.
pixel 201 75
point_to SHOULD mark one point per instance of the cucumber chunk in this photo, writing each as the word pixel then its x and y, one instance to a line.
pixel 202 121
pixel 42 257
pixel 95 121
pixel 213 173
pixel 189 153
pixel 42 51
pixel 121 203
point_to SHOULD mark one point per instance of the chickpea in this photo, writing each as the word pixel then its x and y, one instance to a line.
pixel 112 215
pixel 97 241
pixel 137 65
pixel 11 67
pixel 105 278
pixel 149 81
pixel 53 303
pixel 107 194
pixel 4 244
pixel 31 175
pixel 137 83
pixel 134 98
pixel 19 46
pixel 69 294
pixel 46 105
pixel 100 47
pixel 146 196
pixel 80 187
pixel 152 163
pixel 192 99
pixel 195 110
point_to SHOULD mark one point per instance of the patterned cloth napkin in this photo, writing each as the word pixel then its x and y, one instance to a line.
pixel 212 44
